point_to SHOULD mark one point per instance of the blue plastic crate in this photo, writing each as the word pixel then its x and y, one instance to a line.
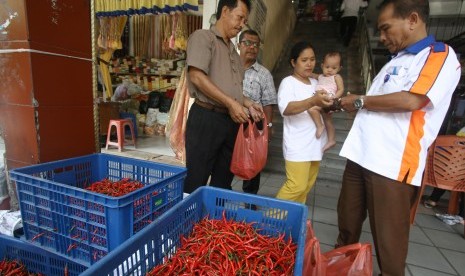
pixel 59 214
pixel 127 115
pixel 36 259
pixel 146 249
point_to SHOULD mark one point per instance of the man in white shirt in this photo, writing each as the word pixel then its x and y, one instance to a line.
pixel 348 22
pixel 397 121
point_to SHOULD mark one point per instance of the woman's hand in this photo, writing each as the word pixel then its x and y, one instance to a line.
pixel 322 99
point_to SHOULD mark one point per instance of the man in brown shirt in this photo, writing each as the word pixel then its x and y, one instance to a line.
pixel 215 76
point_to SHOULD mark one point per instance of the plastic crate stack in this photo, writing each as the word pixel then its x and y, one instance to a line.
pixel 61 216
pixel 152 245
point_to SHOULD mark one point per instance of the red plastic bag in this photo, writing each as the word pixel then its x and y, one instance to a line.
pixel 250 151
pixel 310 232
pixel 351 260
pixel 314 263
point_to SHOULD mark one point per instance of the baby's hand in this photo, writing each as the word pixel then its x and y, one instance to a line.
pixel 322 98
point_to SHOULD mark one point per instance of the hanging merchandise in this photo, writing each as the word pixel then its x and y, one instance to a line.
pixel 181 35
pixel 173 30
pixel 108 41
pixel 178 117
pixel 118 7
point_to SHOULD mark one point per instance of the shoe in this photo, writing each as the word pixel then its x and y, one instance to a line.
pixel 450 219
pixel 430 204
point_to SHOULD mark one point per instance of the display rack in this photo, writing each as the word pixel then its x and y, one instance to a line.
pixel 153 74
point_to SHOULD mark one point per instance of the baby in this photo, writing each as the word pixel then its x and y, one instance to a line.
pixel 332 83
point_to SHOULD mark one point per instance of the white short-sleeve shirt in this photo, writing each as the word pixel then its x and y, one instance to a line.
pixel 395 144
pixel 299 141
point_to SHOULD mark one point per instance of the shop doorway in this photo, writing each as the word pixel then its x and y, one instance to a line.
pixel 141 55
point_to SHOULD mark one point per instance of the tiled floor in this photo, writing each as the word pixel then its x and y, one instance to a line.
pixel 154 144
pixel 435 248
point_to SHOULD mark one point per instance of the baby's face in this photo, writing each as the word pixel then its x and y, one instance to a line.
pixel 331 65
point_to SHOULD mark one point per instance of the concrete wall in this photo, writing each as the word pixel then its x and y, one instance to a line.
pixel 437 8
pixel 280 22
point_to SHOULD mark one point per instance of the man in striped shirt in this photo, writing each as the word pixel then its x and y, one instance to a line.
pixel 397 121
pixel 258 86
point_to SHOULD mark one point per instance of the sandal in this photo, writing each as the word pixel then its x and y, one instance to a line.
pixel 430 203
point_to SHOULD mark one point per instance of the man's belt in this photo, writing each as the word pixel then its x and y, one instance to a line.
pixel 212 107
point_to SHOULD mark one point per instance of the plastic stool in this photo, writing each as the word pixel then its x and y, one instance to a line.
pixel 120 125
pixel 127 115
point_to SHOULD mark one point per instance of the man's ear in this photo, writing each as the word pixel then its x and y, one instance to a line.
pixel 414 20
pixel 224 10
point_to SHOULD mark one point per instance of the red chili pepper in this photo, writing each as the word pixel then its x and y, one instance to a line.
pixel 115 189
pixel 225 247
pixel 71 247
pixel 37 236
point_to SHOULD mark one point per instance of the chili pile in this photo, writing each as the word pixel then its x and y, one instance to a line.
pixel 226 247
pixel 115 189
pixel 14 268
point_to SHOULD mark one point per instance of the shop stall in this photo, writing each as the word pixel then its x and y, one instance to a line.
pixel 141 55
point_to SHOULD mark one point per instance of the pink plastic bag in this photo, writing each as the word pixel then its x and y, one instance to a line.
pixel 250 151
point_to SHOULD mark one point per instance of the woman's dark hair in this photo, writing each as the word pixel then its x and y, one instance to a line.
pixel 298 48
pixel 231 4
pixel 403 8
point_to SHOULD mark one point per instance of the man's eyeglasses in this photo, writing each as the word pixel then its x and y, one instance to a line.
pixel 249 43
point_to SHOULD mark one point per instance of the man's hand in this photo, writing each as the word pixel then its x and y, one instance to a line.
pixel 256 112
pixel 347 102
pixel 238 113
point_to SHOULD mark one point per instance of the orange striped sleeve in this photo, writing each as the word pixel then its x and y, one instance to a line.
pixel 430 72
pixel 411 155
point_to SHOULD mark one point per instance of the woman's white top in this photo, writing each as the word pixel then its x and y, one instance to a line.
pixel 299 140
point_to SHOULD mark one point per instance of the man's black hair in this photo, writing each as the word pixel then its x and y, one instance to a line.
pixel 231 4
pixel 403 8
pixel 249 32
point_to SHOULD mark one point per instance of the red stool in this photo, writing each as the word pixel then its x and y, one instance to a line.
pixel 120 125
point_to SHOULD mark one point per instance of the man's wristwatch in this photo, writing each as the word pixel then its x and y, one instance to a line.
pixel 269 125
pixel 359 102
